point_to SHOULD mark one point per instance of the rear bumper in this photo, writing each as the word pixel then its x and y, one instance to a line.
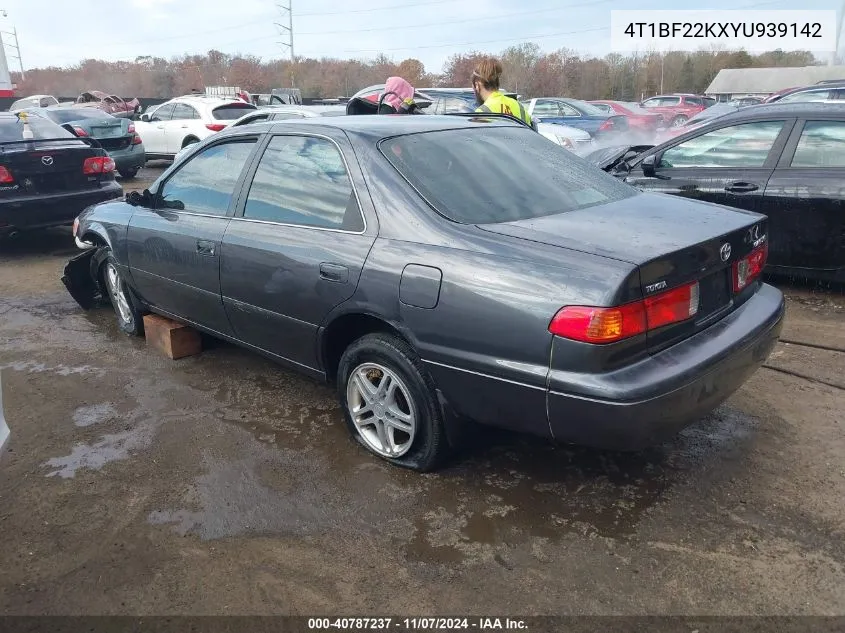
pixel 129 158
pixel 654 399
pixel 52 210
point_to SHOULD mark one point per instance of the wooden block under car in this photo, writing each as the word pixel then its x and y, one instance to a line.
pixel 173 339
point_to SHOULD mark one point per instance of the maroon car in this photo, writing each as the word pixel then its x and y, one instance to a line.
pixel 639 119
pixel 111 104
pixel 676 109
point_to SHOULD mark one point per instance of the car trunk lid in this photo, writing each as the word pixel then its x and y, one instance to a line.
pixel 672 241
pixel 46 167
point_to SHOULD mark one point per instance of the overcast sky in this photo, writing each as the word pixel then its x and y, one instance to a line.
pixel 62 32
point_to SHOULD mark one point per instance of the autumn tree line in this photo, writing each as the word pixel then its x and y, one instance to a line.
pixel 528 70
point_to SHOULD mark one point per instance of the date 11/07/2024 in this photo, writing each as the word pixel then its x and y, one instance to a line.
pixel 416 624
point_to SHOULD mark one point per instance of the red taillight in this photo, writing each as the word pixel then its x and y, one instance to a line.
pixel 216 127
pixel 98 165
pixel 6 176
pixel 79 131
pixel 608 325
pixel 131 129
pixel 136 140
pixel 750 267
pixel 607 125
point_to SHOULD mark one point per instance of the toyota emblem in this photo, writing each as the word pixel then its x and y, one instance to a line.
pixel 725 252
pixel 47 160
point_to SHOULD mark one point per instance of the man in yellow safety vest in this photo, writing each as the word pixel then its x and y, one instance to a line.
pixel 485 84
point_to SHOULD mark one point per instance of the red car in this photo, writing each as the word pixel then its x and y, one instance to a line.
pixel 639 119
pixel 676 109
pixel 111 104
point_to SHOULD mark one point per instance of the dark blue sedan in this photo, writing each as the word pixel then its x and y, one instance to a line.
pixel 580 114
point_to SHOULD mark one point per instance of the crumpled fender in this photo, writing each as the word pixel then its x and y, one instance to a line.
pixel 81 277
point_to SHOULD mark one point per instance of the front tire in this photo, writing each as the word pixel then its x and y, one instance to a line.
pixel 129 319
pixel 679 120
pixel 389 403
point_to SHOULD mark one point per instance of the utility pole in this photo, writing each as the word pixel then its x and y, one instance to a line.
pixel 839 19
pixel 14 33
pixel 289 28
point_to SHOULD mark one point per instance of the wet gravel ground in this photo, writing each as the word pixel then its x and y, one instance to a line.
pixel 223 484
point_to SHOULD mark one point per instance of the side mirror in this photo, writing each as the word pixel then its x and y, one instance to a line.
pixel 650 164
pixel 145 117
pixel 144 199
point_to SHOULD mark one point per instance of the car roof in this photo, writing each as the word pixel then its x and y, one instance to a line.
pixel 799 109
pixel 379 126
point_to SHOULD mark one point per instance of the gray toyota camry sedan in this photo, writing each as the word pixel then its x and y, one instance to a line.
pixel 442 269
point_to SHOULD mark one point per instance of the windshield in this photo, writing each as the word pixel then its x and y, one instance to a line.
pixel 11 130
pixel 486 175
pixel 78 114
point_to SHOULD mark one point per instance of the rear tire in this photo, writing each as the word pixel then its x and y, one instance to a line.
pixel 128 174
pixel 389 403
pixel 129 319
pixel 191 140
pixel 679 120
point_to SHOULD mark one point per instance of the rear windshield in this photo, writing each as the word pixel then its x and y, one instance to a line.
pixel 232 112
pixel 487 175
pixel 41 128
pixel 78 114
pixel 586 108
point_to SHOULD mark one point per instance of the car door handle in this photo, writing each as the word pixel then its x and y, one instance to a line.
pixel 334 272
pixel 206 248
pixel 741 187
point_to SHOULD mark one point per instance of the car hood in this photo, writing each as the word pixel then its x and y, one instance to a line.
pixel 608 157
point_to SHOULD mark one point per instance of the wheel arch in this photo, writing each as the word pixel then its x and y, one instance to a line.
pixel 347 327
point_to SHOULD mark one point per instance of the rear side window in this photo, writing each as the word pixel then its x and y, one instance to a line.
pixel 746 145
pixel 205 182
pixel 822 144
pixel 603 107
pixel 12 130
pixel 232 112
pixel 303 180
pixel 546 108
pixel 485 175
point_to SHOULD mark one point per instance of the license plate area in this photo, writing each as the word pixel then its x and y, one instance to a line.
pixel 714 294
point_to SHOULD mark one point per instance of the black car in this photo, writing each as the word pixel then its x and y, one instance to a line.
pixel 823 91
pixel 48 175
pixel 786 161
pixel 403 260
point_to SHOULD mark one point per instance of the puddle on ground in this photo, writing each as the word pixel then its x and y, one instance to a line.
pixel 112 447
pixel 94 414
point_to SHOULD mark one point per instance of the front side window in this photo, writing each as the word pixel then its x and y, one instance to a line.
pixel 163 113
pixel 205 182
pixel 303 180
pixel 745 145
pixel 183 111
pixel 546 108
pixel 462 175
pixel 822 144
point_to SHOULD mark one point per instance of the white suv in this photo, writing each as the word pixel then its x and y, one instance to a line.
pixel 186 120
